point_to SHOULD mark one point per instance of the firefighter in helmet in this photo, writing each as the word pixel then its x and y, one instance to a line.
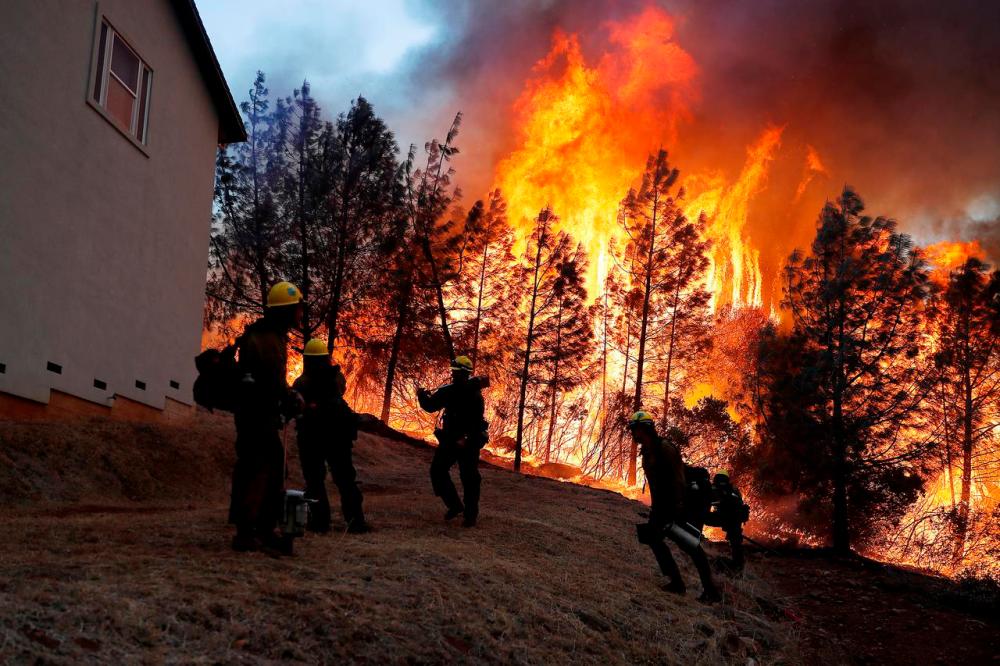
pixel 461 436
pixel 327 429
pixel 729 512
pixel 263 405
pixel 664 470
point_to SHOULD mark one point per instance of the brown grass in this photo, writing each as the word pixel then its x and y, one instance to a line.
pixel 553 574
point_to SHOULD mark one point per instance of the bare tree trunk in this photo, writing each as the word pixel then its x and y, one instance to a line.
pixel 641 358
pixel 967 441
pixel 397 339
pixel 442 311
pixel 527 346
pixel 555 383
pixel 479 306
pixel 670 351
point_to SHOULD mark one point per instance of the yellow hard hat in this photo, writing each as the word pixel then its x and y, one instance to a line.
pixel 462 363
pixel 723 472
pixel 315 347
pixel 640 418
pixel 283 293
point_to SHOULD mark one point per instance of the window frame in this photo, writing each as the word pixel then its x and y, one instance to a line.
pixel 99 77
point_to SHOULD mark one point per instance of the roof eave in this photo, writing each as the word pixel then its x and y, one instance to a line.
pixel 231 129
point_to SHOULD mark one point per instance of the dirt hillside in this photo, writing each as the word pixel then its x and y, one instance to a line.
pixel 116 549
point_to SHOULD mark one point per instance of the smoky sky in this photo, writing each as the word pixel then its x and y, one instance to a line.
pixel 900 98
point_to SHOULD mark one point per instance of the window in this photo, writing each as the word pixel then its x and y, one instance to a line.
pixel 122 83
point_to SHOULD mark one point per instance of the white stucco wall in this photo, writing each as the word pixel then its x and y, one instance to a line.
pixel 102 248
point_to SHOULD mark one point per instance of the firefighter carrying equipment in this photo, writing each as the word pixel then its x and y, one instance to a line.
pixel 283 293
pixel 315 347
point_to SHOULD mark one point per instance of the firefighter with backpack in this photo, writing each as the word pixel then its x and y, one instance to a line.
pixel 460 438
pixel 263 404
pixel 326 430
pixel 729 512
pixel 664 470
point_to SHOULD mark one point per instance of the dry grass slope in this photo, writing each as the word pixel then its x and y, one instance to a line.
pixel 117 550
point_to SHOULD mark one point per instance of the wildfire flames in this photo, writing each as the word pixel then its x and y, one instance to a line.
pixel 583 127
pixel 584 130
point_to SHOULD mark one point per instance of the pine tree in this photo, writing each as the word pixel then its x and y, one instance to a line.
pixel 664 262
pixel 687 330
pixel 423 260
pixel 302 194
pixel 967 326
pixel 543 251
pixel 488 288
pixel 564 330
pixel 362 202
pixel 849 381
pixel 245 251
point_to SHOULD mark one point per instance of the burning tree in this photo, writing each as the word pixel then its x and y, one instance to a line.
pixel 361 163
pixel 841 396
pixel 559 325
pixel 967 329
pixel 564 338
pixel 485 295
pixel 664 262
pixel 423 261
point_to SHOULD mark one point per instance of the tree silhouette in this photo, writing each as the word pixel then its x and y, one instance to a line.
pixel 841 391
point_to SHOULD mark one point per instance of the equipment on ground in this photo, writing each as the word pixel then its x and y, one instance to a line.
pixel 283 293
pixel 296 513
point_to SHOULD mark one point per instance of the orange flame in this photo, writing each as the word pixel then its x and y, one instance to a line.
pixel 734 272
pixel 584 133
pixel 949 255
pixel 585 130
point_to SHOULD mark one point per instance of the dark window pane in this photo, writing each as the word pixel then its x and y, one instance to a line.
pixel 119 103
pixel 99 73
pixel 140 123
pixel 125 65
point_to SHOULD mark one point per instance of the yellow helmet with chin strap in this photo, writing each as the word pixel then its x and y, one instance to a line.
pixel 462 363
pixel 315 347
pixel 283 293
pixel 640 418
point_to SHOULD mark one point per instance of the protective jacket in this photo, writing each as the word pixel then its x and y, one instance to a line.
pixel 664 469
pixel 463 412
pixel 325 415
pixel 263 397
pixel 263 365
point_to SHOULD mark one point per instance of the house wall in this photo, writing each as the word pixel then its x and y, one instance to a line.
pixel 103 246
